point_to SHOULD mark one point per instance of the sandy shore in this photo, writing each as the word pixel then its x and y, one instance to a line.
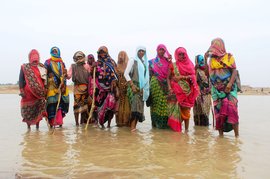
pixel 247 90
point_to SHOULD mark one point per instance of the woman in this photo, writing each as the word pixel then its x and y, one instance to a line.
pixel 137 75
pixel 105 86
pixel 183 84
pixel 56 73
pixel 123 106
pixel 159 68
pixel 92 64
pixel 224 88
pixel 32 82
pixel 79 72
pixel 202 105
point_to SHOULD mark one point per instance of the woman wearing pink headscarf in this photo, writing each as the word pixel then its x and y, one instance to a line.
pixel 32 81
pixel 183 83
pixel 159 68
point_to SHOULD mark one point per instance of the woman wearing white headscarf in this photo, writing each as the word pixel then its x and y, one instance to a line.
pixel 137 75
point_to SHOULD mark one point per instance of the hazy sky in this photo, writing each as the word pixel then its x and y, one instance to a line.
pixel 124 24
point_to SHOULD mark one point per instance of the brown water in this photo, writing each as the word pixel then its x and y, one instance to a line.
pixel 149 153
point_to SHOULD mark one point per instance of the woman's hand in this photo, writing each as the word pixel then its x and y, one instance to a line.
pixel 170 91
pixel 176 78
pixel 228 88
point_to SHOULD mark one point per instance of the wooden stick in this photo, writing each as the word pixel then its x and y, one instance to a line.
pixel 213 112
pixel 93 99
pixel 47 122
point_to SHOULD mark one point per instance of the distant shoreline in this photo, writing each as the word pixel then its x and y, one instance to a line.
pixel 247 90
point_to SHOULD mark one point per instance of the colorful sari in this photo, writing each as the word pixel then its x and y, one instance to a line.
pixel 159 68
pixel 225 104
pixel 55 68
pixel 33 92
pixel 186 90
pixel 202 105
pixel 105 97
pixel 123 106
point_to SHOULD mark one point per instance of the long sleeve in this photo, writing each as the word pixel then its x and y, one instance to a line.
pixel 128 69
pixel 22 82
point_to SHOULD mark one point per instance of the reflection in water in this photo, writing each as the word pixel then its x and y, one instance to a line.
pixel 150 153
pixel 110 153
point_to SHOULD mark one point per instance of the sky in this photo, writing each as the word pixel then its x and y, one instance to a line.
pixel 85 25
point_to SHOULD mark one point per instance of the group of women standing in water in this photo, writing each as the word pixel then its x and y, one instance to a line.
pixel 169 88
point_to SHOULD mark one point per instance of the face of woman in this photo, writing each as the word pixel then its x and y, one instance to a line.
pixel 181 56
pixel 54 51
pixel 90 61
pixel 141 54
pixel 102 54
pixel 121 58
pixel 161 52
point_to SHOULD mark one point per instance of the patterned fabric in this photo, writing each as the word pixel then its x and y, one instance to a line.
pixel 55 76
pixel 159 68
pixel 186 90
pixel 80 98
pixel 136 98
pixel 105 97
pixel 225 104
pixel 174 120
pixel 217 48
pixel 202 105
pixel 222 65
pixel 159 108
pixel 33 102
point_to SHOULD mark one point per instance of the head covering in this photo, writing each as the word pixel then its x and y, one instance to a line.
pixel 103 49
pixel 217 48
pixel 166 54
pixel 123 65
pixel 90 59
pixel 79 57
pixel 58 55
pixel 200 61
pixel 33 56
pixel 185 67
pixel 143 72
pixel 160 65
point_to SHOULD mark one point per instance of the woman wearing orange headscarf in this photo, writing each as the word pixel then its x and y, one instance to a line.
pixel 32 83
pixel 123 106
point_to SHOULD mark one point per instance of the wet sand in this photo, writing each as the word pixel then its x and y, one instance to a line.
pixel 149 153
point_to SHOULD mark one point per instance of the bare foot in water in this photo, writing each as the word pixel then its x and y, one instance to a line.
pixel 133 130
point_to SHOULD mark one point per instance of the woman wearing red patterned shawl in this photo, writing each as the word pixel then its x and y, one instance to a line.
pixel 32 81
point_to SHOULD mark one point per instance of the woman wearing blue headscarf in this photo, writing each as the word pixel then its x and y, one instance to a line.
pixel 202 105
pixel 137 75
pixel 56 74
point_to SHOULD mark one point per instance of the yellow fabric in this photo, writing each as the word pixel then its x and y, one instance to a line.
pixel 52 90
pixel 56 59
pixel 215 64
